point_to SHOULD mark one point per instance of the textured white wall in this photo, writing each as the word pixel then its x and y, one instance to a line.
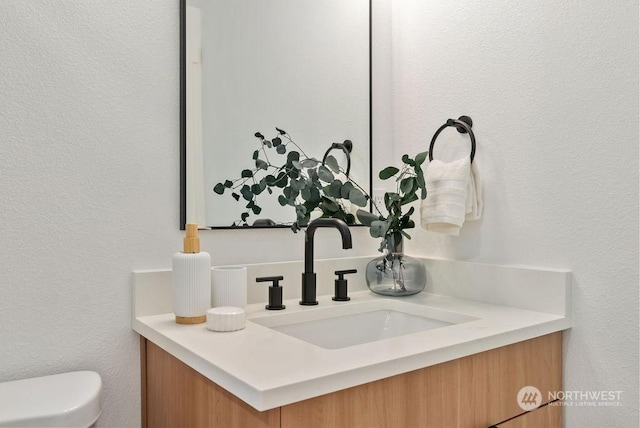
pixel 553 90
pixel 89 187
pixel 88 160
pixel 89 163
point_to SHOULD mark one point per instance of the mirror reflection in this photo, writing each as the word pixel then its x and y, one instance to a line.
pixel 262 66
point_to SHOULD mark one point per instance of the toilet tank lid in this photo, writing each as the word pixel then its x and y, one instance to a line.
pixel 63 400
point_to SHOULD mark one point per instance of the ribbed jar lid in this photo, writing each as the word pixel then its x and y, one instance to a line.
pixel 226 318
pixel 63 400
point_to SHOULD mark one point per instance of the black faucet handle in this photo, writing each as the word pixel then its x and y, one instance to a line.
pixel 275 279
pixel 342 273
pixel 275 292
pixel 340 294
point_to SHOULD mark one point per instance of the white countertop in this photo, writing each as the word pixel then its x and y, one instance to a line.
pixel 268 369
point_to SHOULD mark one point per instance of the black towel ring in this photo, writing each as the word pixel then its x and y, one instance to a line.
pixel 463 124
pixel 346 147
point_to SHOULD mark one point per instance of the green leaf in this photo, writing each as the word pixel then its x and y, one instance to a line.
pixel 276 141
pixel 235 196
pixel 296 165
pixel 334 189
pixel 244 216
pixel 290 193
pixel 324 174
pixel 293 156
pixel 280 131
pixel 306 193
pixel 310 163
pixel 256 189
pixel 340 214
pixel 406 159
pixel 407 185
pixel 332 163
pixel 256 154
pixel 392 197
pixel 315 195
pixel 256 209
pixel 269 179
pixel 329 206
pixel 267 143
pixel 310 206
pixel 357 197
pixel 346 188
pixel 282 179
pixel 246 173
pixel 378 228
pixel 421 157
pixel 259 135
pixel 282 200
pixel 421 183
pixel 408 199
pixel 388 172
pixel 228 184
pixel 313 175
pixel 298 184
pixel 260 164
pixel 219 188
pixel 301 212
pixel 246 192
pixel 406 222
pixel 281 149
pixel 366 217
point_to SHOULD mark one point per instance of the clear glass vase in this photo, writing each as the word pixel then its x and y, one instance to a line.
pixel 395 274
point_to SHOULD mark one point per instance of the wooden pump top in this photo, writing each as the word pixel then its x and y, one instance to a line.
pixel 192 240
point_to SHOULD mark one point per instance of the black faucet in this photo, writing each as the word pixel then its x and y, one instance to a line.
pixel 309 276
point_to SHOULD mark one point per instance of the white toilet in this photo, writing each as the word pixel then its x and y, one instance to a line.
pixel 63 400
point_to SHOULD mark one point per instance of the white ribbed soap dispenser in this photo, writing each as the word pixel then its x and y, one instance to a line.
pixel 191 277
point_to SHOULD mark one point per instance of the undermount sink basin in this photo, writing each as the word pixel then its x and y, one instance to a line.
pixel 352 324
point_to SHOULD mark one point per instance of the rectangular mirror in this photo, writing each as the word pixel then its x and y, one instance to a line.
pixel 249 66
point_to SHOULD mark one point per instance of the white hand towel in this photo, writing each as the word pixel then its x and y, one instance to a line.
pixel 454 193
pixel 474 194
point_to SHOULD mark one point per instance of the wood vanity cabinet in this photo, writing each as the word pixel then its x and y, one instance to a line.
pixel 475 391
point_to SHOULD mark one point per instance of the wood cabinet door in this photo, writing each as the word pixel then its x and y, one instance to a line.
pixel 177 396
pixel 475 391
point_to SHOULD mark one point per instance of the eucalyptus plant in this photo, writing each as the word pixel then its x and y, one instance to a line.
pixel 302 182
pixel 409 181
pixel 308 184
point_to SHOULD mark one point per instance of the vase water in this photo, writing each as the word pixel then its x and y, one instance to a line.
pixel 396 274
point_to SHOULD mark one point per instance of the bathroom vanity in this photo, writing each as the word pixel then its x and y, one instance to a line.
pixel 475 391
pixel 501 331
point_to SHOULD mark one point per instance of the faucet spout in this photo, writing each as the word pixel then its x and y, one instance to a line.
pixel 309 276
